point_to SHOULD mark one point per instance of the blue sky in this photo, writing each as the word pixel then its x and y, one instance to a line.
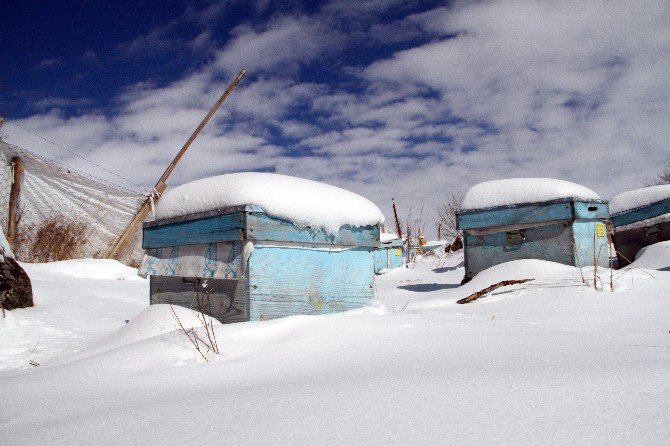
pixel 386 98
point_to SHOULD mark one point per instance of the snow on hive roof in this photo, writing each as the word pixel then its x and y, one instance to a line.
pixel 386 237
pixel 523 190
pixel 633 199
pixel 300 201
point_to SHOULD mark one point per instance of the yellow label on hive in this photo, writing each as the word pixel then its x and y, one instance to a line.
pixel 600 229
pixel 397 252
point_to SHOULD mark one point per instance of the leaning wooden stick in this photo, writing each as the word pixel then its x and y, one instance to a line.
pixel 488 289
pixel 160 186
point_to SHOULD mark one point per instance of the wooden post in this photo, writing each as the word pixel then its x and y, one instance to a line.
pixel 397 220
pixel 17 166
pixel 160 186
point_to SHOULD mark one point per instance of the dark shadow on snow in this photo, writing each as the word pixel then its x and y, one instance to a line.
pixel 428 287
pixel 446 269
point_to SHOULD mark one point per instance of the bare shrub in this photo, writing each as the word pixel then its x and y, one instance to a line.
pixel 57 238
pixel 446 216
pixel 662 178
pixel 208 343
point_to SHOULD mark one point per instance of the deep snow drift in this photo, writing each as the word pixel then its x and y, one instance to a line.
pixel 552 361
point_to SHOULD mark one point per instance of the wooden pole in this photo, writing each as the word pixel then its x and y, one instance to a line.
pixel 17 165
pixel 160 186
pixel 397 220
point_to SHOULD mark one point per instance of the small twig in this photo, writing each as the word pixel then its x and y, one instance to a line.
pixel 609 257
pixel 193 341
pixel 631 264
pixel 205 318
pixel 579 263
pixel 595 262
pixel 488 289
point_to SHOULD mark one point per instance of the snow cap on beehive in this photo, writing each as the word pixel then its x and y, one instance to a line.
pixel 303 202
pixel 513 191
pixel 638 198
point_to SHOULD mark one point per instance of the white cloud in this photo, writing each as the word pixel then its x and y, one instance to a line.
pixel 276 45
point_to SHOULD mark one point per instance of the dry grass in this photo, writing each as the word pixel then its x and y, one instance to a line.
pixel 58 238
pixel 202 344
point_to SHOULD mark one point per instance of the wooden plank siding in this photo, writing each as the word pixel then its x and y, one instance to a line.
pixel 630 241
pixel 530 213
pixel 642 213
pixel 388 256
pixel 290 270
pixel 226 300
pixel 559 231
pixel 249 224
pixel 549 242
pixel 584 250
pixel 285 281
pixel 262 227
pixel 217 228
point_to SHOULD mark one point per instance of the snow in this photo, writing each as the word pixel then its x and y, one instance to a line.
pixel 656 256
pixel 303 202
pixel 5 249
pixel 433 244
pixel 637 198
pixel 551 361
pixel 386 237
pixel 512 191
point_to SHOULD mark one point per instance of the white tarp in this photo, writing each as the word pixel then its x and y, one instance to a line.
pixel 52 191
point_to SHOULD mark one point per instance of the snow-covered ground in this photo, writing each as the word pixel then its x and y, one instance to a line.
pixel 551 361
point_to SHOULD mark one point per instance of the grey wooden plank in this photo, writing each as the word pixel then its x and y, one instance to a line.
pixel 629 242
pixel 226 300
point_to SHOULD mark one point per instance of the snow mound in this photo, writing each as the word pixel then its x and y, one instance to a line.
pixel 303 202
pixel 523 190
pixel 634 199
pixel 656 256
pixel 154 321
pixel 82 269
pixel 524 269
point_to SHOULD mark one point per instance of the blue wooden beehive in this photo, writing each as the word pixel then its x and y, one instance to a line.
pixel 565 230
pixel 643 222
pixel 251 266
pixel 389 255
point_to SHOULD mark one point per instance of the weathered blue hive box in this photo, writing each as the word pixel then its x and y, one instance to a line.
pixel 565 231
pixel 389 255
pixel 633 229
pixel 247 265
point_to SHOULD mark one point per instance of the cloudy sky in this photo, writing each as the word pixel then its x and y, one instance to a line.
pixel 412 100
